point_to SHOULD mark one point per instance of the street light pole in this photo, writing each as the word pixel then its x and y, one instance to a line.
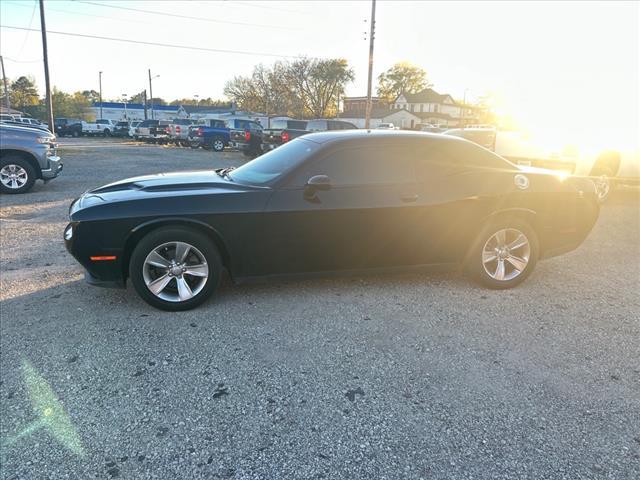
pixel 45 55
pixel 100 82
pixel 124 99
pixel 367 117
pixel 7 101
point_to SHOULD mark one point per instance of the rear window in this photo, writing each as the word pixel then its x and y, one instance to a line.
pixel 466 153
pixel 317 125
pixel 148 123
pixel 122 124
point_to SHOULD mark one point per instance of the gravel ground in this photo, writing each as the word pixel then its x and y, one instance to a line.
pixel 408 376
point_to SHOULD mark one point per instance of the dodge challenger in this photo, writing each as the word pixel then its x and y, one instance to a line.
pixel 332 202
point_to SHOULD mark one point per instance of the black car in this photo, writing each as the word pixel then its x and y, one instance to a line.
pixel 121 129
pixel 329 202
pixel 246 136
pixel 68 127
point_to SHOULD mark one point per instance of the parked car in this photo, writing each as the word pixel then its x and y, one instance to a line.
pixel 329 202
pixel 101 126
pixel 121 129
pixel 159 133
pixel 143 130
pixel 6 117
pixel 132 129
pixel 212 134
pixel 282 131
pixel 321 125
pixel 68 127
pixel 246 136
pixel 26 155
pixel 427 127
pixel 179 131
pixel 386 126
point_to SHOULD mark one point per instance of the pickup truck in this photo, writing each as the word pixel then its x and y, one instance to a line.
pixel 159 133
pixel 213 134
pixel 68 126
pixel 179 131
pixel 26 154
pixel 246 136
pixel 143 130
pixel 99 127
pixel 121 129
pixel 281 131
pixel 607 169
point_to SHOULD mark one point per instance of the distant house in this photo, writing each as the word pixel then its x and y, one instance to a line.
pixel 399 118
pixel 356 104
pixel 435 108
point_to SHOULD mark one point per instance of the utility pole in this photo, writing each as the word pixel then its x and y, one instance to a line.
pixel 45 54
pixel 7 102
pixel 367 117
pixel 100 81
pixel 144 95
pixel 151 95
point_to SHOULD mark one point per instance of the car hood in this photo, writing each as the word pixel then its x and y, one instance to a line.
pixel 158 186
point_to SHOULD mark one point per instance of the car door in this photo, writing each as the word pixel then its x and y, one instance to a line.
pixel 361 221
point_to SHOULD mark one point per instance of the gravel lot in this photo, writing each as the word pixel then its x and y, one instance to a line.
pixel 409 376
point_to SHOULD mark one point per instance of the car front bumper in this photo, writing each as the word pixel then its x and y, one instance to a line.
pixel 54 168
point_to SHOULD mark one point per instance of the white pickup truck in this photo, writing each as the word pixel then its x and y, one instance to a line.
pixel 99 127
pixel 607 169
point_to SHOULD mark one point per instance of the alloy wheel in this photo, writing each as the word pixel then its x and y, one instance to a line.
pixel 175 271
pixel 218 145
pixel 603 187
pixel 506 254
pixel 13 176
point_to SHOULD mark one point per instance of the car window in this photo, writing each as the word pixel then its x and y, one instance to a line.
pixel 275 163
pixel 334 125
pixel 468 154
pixel 317 125
pixel 373 165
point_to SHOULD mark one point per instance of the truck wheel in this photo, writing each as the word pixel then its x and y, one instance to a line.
pixel 16 175
pixel 106 132
pixel 217 144
pixel 76 133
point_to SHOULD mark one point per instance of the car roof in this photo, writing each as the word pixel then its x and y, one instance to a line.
pixel 361 134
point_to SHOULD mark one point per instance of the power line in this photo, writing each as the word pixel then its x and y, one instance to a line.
pixel 155 44
pixel 24 61
pixel 175 15
pixel 26 35
pixel 18 4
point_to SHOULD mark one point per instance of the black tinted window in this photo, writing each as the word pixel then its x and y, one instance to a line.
pixel 468 154
pixel 374 165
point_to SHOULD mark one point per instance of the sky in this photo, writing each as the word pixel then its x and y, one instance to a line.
pixel 561 69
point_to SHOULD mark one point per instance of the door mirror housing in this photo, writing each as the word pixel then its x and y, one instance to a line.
pixel 319 182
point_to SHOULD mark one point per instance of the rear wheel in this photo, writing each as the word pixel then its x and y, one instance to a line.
pixel 504 255
pixel 16 175
pixel 604 186
pixel 217 144
pixel 175 268
pixel 106 132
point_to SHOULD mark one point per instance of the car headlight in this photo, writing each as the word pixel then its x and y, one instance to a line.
pixel 68 232
pixel 45 139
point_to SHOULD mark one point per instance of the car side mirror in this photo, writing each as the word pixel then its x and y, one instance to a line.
pixel 319 182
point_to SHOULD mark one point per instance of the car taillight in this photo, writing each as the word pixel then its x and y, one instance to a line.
pixel 167 130
pixel 247 135
pixel 285 137
pixel 178 129
pixel 199 132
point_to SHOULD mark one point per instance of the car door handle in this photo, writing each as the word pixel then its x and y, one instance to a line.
pixel 409 197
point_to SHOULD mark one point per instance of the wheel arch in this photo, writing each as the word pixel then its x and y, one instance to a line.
pixel 608 162
pixel 145 228
pixel 29 157
pixel 530 217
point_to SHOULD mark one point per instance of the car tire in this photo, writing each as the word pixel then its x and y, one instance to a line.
pixel 106 132
pixel 76 134
pixel 504 254
pixel 605 185
pixel 194 145
pixel 175 291
pixel 17 175
pixel 217 144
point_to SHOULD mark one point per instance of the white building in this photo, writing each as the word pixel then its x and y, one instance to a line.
pixel 399 118
pixel 435 108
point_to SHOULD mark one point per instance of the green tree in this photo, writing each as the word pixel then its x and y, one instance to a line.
pixel 403 77
pixel 75 105
pixel 91 95
pixel 23 93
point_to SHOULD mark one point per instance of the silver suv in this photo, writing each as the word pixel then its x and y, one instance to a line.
pixel 26 155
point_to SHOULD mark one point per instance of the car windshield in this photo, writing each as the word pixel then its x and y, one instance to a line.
pixel 275 163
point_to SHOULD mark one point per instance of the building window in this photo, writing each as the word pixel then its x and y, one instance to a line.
pixel 411 107
pixel 435 108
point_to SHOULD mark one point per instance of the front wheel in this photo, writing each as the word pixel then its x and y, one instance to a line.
pixel 175 268
pixel 106 132
pixel 504 255
pixel 16 175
